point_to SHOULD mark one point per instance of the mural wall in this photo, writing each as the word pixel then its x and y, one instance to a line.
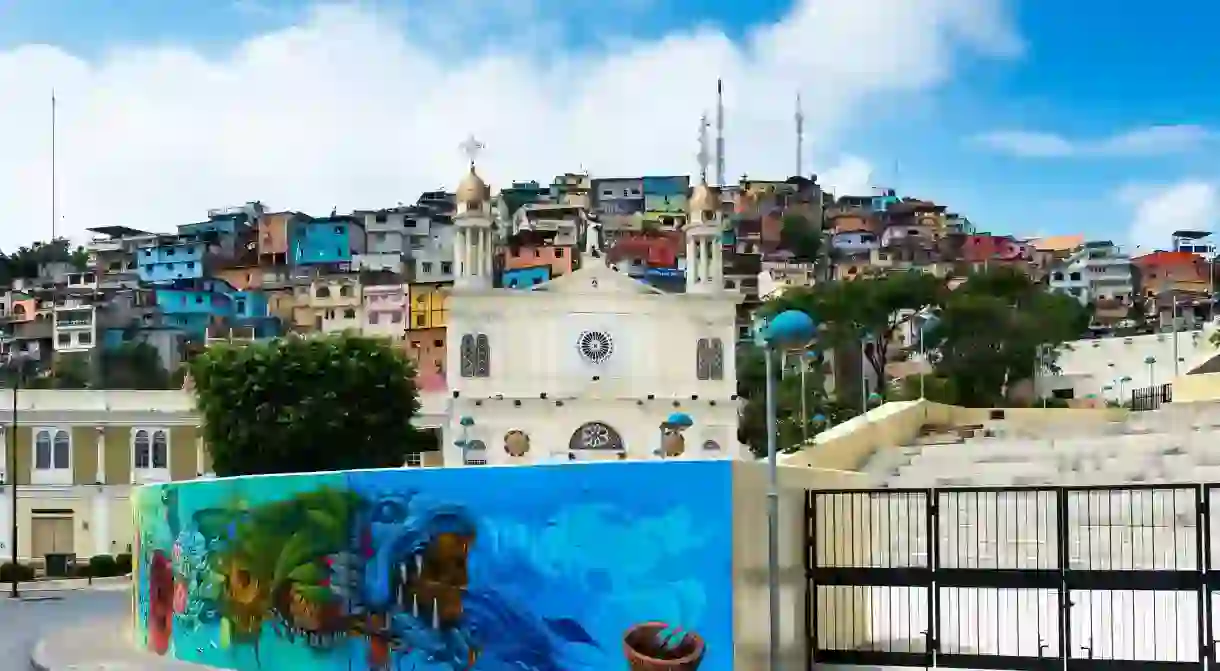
pixel 606 566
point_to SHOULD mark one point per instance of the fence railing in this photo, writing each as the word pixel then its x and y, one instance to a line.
pixel 1151 398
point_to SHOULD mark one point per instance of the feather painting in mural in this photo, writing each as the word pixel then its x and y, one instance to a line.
pixel 523 569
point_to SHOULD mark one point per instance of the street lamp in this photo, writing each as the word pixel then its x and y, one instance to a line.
pixel 788 329
pixel 1150 362
pixel 1122 383
pixel 809 354
pixel 16 365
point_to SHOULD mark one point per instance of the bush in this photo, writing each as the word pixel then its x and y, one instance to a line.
pixel 123 563
pixel 24 572
pixel 103 566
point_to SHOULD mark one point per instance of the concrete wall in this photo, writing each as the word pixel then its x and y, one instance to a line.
pixel 849 445
pixel 544 568
pixel 1196 388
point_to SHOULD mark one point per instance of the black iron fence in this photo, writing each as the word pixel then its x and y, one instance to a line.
pixel 1075 578
pixel 1151 398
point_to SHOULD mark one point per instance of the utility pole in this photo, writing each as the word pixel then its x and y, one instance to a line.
pixel 800 137
pixel 54 208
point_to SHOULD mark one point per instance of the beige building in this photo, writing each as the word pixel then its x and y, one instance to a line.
pixel 79 453
pixel 328 305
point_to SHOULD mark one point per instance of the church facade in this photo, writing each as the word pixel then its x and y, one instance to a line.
pixel 593 365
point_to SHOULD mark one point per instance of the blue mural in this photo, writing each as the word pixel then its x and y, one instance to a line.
pixel 538 568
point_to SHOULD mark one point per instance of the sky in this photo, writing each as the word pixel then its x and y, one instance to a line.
pixel 1030 118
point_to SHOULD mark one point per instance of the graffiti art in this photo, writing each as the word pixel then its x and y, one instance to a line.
pixel 524 569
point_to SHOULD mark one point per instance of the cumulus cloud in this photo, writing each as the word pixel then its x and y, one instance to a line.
pixel 1158 211
pixel 1149 141
pixel 352 108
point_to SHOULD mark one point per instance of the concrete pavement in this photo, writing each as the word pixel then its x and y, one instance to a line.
pixel 99 644
pixel 40 612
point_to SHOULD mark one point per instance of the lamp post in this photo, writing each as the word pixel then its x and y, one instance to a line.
pixel 809 354
pixel 1150 362
pixel 1122 383
pixel 791 328
pixel 16 365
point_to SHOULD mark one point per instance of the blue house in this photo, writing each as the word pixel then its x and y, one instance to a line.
pixel 225 232
pixel 171 259
pixel 524 278
pixel 193 309
pixel 325 240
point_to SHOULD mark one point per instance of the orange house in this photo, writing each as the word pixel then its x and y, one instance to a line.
pixel 273 236
pixel 242 279
pixel 558 258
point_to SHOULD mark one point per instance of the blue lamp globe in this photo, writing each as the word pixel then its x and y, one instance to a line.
pixel 679 419
pixel 466 421
pixel 790 328
pixel 874 398
pixel 819 418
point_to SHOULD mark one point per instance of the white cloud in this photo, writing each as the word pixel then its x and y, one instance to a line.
pixel 1158 211
pixel 851 175
pixel 1149 141
pixel 344 110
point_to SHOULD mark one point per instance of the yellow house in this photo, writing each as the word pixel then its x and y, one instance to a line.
pixel 328 305
pixel 428 306
pixel 79 453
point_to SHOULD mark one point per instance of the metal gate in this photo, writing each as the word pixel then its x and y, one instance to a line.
pixel 1080 578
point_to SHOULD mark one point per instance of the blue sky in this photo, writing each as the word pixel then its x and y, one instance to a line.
pixel 1086 75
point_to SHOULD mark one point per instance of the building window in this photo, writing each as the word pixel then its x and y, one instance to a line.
pixel 414 460
pixel 715 354
pixel 64 340
pixel 475 453
pixel 345 291
pixel 427 266
pixel 373 317
pixel 322 292
pixel 150 449
pixel 85 338
pixel 446 267
pixel 482 356
pixel 395 317
pixel 349 313
pixel 466 355
pixel 420 321
pixel 703 359
pixel 52 456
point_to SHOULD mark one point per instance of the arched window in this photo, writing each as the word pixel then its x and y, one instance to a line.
pixel 42 450
pixel 482 356
pixel 160 450
pixel 715 368
pixel 595 436
pixel 703 360
pixel 63 449
pixel 143 448
pixel 466 356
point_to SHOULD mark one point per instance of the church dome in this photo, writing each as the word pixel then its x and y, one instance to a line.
pixel 472 191
pixel 702 199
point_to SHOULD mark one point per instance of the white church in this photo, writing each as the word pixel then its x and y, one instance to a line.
pixel 593 365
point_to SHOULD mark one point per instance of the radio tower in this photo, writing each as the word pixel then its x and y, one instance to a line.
pixel 800 136
pixel 719 132
pixel 703 156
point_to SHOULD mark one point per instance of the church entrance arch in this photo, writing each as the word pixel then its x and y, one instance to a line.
pixel 595 441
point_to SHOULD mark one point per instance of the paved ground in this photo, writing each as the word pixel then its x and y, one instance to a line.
pixel 46 610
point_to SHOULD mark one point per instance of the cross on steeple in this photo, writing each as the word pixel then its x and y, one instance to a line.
pixel 472 147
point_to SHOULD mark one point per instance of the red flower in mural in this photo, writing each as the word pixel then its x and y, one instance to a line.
pixel 160 603
pixel 179 597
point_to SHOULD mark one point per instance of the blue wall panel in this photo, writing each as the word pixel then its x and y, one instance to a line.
pixel 532 568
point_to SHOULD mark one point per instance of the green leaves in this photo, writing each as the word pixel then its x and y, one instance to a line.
pixel 306 405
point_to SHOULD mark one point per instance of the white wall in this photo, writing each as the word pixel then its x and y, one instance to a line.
pixel 1089 365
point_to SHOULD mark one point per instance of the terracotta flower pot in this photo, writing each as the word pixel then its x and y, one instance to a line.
pixel 646 651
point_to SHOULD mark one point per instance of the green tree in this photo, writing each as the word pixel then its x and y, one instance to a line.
pixel 867 311
pixel 68 371
pixel 993 330
pixel 752 429
pixel 134 365
pixel 801 238
pixel 306 405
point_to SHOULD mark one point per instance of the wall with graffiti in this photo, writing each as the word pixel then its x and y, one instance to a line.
pixel 604 566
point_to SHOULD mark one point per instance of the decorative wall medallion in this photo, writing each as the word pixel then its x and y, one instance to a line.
pixel 672 442
pixel 595 436
pixel 516 443
pixel 595 346
pixel 711 446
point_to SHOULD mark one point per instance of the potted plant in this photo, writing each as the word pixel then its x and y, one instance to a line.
pixel 657 646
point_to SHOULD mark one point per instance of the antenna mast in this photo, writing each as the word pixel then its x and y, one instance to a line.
pixel 800 137
pixel 703 156
pixel 720 132
pixel 54 209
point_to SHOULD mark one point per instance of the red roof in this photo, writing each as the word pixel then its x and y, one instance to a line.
pixel 1167 259
pixel 986 247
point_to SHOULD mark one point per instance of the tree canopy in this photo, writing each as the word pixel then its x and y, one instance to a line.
pixel 988 333
pixel 25 261
pixel 306 405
